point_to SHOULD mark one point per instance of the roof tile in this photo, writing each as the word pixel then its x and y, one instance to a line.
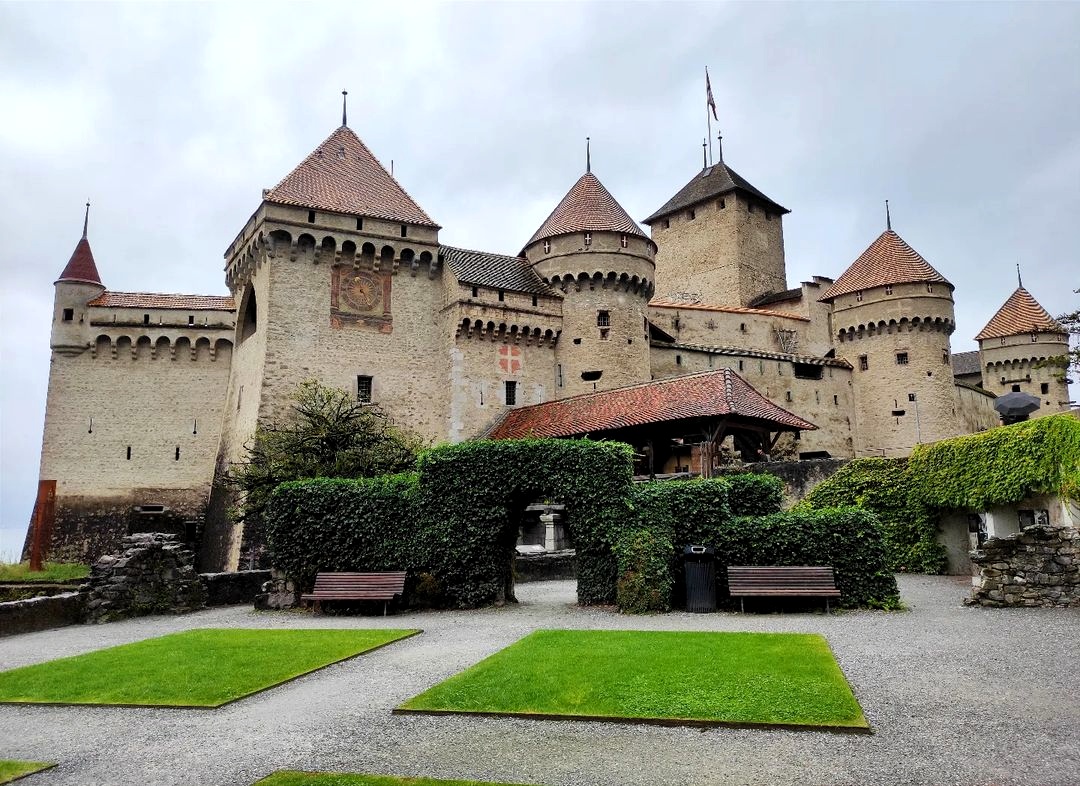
pixel 964 363
pixel 153 300
pixel 587 207
pixel 493 270
pixel 1020 314
pixel 711 393
pixel 342 175
pixel 711 182
pixel 888 260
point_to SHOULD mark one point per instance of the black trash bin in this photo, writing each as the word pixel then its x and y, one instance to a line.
pixel 700 565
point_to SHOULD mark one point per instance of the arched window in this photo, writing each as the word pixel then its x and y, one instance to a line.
pixel 249 313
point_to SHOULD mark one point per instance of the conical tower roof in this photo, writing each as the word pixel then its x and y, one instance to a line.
pixel 587 207
pixel 1020 314
pixel 888 260
pixel 710 182
pixel 341 175
pixel 81 267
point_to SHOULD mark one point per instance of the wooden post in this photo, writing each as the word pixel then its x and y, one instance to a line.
pixel 44 518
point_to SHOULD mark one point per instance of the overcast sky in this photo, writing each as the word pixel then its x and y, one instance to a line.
pixel 172 117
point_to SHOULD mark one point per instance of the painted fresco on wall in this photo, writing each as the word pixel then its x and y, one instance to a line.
pixel 360 297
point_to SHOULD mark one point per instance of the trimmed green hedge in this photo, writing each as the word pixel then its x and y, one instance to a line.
pixel 674 514
pixel 887 487
pixel 1001 466
pixel 457 519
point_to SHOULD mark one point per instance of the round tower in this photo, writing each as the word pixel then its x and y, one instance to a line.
pixel 598 257
pixel 78 284
pixel 892 315
pixel 1013 350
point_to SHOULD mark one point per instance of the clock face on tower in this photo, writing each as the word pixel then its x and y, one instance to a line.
pixel 362 291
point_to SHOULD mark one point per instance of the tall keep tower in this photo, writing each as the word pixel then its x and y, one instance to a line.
pixel 604 264
pixel 892 315
pixel 720 239
pixel 1020 335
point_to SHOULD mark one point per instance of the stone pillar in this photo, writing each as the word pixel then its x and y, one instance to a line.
pixel 554 537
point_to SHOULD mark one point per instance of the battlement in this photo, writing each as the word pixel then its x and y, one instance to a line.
pixel 159 347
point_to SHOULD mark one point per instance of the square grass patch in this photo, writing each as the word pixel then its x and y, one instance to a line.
pixel 788 680
pixel 206 667
pixel 11 771
pixel 295 778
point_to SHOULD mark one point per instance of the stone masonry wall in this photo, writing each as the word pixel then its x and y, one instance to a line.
pixel 1040 566
pixel 154 574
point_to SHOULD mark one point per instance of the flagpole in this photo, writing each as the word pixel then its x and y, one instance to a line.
pixel 708 119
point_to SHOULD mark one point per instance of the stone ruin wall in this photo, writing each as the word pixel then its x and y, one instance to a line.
pixel 1040 566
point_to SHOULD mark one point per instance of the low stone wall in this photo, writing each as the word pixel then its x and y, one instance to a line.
pixel 153 575
pixel 225 589
pixel 280 592
pixel 545 567
pixel 1040 566
pixel 799 477
pixel 52 611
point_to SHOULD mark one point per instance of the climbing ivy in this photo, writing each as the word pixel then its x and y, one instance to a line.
pixel 889 489
pixel 1000 466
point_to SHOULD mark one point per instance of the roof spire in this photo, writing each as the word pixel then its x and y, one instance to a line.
pixel 888 217
pixel 1019 281
pixel 588 155
pixel 86 220
pixel 720 146
pixel 344 107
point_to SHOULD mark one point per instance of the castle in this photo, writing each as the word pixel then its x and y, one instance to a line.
pixel 339 275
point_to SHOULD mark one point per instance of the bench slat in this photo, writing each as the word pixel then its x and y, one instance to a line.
pixel 782 580
pixel 357 586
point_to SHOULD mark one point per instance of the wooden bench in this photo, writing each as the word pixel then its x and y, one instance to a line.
pixel 356 586
pixel 788 581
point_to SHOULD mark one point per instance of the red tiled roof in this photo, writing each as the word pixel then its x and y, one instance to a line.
pixel 587 207
pixel 342 175
pixel 888 260
pixel 1020 314
pixel 81 266
pixel 663 302
pixel 708 394
pixel 152 300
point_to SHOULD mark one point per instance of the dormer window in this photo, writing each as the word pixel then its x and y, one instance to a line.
pixel 588 239
pixel 547 246
pixel 624 241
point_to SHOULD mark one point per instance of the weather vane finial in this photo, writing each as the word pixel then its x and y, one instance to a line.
pixel 588 155
pixel 888 217
pixel 720 146
pixel 704 154
pixel 1019 281
pixel 344 107
pixel 86 219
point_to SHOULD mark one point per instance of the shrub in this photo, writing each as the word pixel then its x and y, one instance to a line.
pixel 887 487
pixel 1000 466
pixel 755 495
pixel 645 580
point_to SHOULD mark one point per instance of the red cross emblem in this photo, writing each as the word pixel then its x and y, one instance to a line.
pixel 510 359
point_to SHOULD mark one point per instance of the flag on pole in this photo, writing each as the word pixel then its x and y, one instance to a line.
pixel 709 96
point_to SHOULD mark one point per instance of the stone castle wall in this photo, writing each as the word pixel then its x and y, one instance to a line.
pixel 1040 566
pixel 727 251
pixel 1012 362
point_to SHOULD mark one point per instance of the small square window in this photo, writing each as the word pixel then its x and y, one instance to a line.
pixel 929 287
pixel 1034 337
pixel 311 216
pixel 1015 388
pixel 603 319
pixel 864 363
pixel 511 393
pixel 69 314
pixel 359 222
pixel 901 358
pixel 888 289
pixel 363 389
pixel 1003 341
pixel 1044 388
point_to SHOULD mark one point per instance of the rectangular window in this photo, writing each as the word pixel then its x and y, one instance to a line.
pixel 502 296
pixel 547 246
pixel 864 362
pixel 789 395
pixel 1034 337
pixel 191 319
pixel 176 457
pixel 558 375
pixel 129 452
pixel 929 287
pixel 69 314
pixel 1015 388
pixel 667 224
pixel 311 216
pixel 624 241
pixel 836 400
pixel 723 204
pixel 901 358
pixel 603 319
pixel 749 207
pixel 588 239
pixel 740 365
pixel 363 389
pixel 535 301
pixel 858 296
pixel 690 214
pixel 404 230
pixel 1044 388
pixel 359 223
pixel 146 319
pixel 511 393
pixel 678 360
pixel 945 357
pixel 476 292
pixel 888 289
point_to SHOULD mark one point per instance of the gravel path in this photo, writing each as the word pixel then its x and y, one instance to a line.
pixel 972 696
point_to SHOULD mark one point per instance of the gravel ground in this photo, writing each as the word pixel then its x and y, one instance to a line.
pixel 972 696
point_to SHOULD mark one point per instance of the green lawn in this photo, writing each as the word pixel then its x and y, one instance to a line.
pixel 197 668
pixel 740 679
pixel 53 571
pixel 13 770
pixel 294 778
